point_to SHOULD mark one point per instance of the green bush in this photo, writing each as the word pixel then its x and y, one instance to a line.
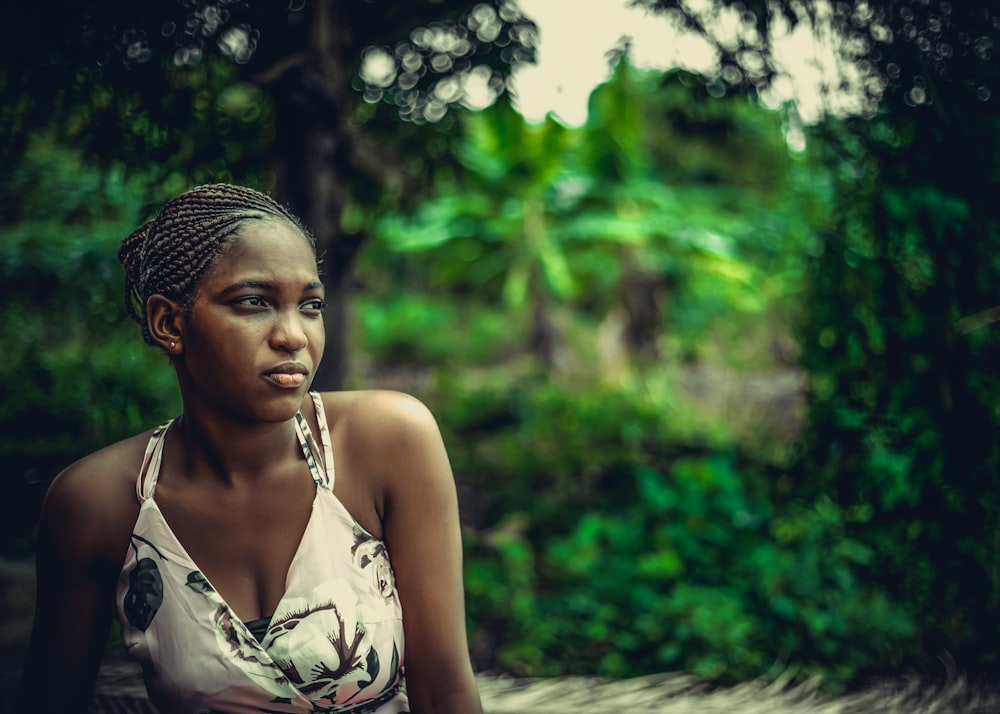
pixel 602 541
pixel 76 372
pixel 413 329
pixel 903 356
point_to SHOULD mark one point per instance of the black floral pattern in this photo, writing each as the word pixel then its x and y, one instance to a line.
pixel 371 555
pixel 145 594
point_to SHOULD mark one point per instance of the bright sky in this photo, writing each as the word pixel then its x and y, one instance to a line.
pixel 576 35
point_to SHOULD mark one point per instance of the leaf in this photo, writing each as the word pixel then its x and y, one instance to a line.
pixel 515 288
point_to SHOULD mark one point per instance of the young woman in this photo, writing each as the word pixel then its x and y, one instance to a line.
pixel 271 549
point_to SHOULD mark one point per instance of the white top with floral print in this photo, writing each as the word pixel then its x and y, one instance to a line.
pixel 335 642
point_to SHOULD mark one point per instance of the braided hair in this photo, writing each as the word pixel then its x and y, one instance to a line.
pixel 169 254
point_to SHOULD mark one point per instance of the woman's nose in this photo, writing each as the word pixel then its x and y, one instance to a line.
pixel 288 333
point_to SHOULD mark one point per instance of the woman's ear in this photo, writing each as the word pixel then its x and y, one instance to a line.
pixel 164 318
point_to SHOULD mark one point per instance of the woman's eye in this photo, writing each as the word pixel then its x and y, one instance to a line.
pixel 316 305
pixel 252 301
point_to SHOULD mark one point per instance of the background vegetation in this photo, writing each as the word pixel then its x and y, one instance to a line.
pixel 713 403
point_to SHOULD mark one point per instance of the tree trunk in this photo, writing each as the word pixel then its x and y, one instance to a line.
pixel 311 163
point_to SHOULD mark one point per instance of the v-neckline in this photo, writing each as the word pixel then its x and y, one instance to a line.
pixel 186 556
pixel 303 434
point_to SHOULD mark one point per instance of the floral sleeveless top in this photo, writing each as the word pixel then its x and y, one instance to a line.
pixel 335 640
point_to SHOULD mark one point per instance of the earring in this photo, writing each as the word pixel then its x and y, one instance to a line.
pixel 172 345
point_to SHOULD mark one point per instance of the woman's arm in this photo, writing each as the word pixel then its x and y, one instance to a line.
pixel 84 519
pixel 406 458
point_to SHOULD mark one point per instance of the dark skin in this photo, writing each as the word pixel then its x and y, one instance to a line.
pixel 233 478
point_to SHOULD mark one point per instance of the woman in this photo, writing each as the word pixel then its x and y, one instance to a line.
pixel 245 546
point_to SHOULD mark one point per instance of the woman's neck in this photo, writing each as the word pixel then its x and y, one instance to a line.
pixel 232 451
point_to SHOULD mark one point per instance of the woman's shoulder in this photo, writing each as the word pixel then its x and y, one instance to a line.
pixel 103 471
pixel 379 414
pixel 92 503
pixel 390 439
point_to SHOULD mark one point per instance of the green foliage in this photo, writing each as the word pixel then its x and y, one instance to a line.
pixel 538 216
pixel 498 212
pixel 606 542
pixel 903 408
pixel 417 330
pixel 603 537
pixel 77 373
pixel 609 530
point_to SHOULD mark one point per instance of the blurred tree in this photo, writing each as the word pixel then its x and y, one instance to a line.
pixel 502 199
pixel 901 343
pixel 676 178
pixel 544 214
pixel 875 45
pixel 223 90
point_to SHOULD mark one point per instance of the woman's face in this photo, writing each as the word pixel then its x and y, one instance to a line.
pixel 254 335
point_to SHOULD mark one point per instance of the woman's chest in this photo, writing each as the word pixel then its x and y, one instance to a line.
pixel 243 543
pixel 335 635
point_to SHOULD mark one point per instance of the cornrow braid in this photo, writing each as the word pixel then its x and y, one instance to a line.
pixel 169 254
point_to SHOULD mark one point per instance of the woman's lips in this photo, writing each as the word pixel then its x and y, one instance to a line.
pixel 288 375
pixel 289 380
